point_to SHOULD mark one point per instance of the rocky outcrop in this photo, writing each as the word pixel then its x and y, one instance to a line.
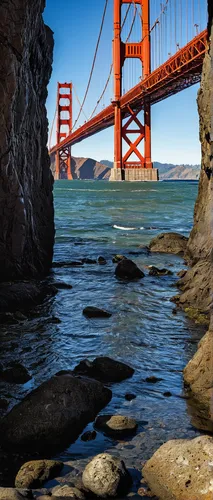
pixel 26 202
pixel 53 415
pixel 200 244
pixel 198 377
pixel 84 168
pixel 182 470
pixel 106 476
pixel 169 243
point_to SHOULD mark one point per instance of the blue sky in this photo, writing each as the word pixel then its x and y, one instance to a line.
pixel 175 125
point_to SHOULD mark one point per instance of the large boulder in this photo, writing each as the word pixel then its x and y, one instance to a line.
pixel 53 415
pixel 117 426
pixel 182 470
pixel 127 269
pixel 169 243
pixel 104 369
pixel 106 476
pixel 34 474
pixel 198 376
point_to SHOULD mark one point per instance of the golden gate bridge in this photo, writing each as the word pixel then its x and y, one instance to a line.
pixel 172 40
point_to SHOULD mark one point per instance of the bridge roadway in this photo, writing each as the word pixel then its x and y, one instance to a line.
pixel 178 73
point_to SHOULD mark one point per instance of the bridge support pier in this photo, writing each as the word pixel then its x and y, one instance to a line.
pixel 124 167
pixel 64 128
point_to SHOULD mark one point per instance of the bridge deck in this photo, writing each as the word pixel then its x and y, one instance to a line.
pixel 178 73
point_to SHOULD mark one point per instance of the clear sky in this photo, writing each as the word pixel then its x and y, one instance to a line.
pixel 175 125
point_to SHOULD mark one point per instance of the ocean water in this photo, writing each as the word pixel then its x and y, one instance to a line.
pixel 97 218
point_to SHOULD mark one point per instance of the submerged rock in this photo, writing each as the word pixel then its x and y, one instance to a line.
pixel 34 474
pixel 89 436
pixel 102 260
pixel 95 312
pixel 169 243
pixel 54 414
pixel 106 476
pixel 15 374
pixel 104 369
pixel 129 396
pixel 117 426
pixel 154 271
pixel 182 470
pixel 153 379
pixel 127 269
pixel 89 261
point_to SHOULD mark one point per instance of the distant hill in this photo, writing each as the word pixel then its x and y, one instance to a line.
pixel 168 171
pixel 87 168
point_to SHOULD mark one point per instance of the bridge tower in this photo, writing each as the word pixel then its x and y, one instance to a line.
pixel 124 168
pixel 64 128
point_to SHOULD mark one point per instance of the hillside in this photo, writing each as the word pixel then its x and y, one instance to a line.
pixel 88 168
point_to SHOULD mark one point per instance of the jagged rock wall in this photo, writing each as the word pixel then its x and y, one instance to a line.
pixel 26 201
pixel 197 283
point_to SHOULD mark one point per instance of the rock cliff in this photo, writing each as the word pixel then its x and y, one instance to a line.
pixel 26 202
pixel 200 244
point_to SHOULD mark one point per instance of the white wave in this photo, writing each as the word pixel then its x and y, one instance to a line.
pixel 125 228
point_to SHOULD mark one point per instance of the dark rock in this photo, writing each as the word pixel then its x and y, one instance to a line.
pixel 129 396
pixel 60 285
pixel 15 374
pixel 89 261
pixel 20 316
pixel 118 258
pixel 8 319
pixel 102 261
pixel 106 476
pixel 167 394
pixel 22 295
pixel 127 269
pixel 3 404
pixel 154 271
pixel 104 369
pixel 55 320
pixel 35 473
pixel 95 312
pixel 89 436
pixel 26 201
pixel 169 243
pixel 174 311
pixel 54 414
pixel 116 426
pixel 153 379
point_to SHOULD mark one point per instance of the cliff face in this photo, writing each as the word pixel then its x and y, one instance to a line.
pixel 26 202
pixel 197 283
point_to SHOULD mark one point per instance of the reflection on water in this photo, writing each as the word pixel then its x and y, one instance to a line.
pixel 92 219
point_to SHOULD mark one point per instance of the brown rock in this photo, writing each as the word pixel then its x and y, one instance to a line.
pixel 106 476
pixel 169 243
pixel 117 426
pixel 182 470
pixel 68 492
pixel 13 494
pixel 34 474
pixel 26 201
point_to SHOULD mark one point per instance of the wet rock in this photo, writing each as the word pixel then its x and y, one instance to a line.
pixel 95 312
pixel 3 404
pixel 117 258
pixel 182 273
pixel 167 394
pixel 127 269
pixel 169 243
pixel 195 287
pixel 116 426
pixel 68 492
pixel 197 316
pixel 89 261
pixel 198 374
pixel 21 295
pixel 106 476
pixel 13 494
pixel 61 285
pixel 155 271
pixel 181 470
pixel 129 396
pixel 54 414
pixel 72 263
pixel 102 261
pixel 104 369
pixel 15 374
pixel 153 379
pixel 34 474
pixel 89 436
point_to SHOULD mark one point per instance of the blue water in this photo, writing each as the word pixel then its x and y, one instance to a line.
pixel 96 218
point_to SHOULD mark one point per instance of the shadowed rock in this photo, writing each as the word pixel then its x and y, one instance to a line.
pixel 53 415
pixel 95 312
pixel 104 369
pixel 127 269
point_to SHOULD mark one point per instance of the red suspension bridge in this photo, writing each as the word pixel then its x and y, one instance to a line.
pixel 170 49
